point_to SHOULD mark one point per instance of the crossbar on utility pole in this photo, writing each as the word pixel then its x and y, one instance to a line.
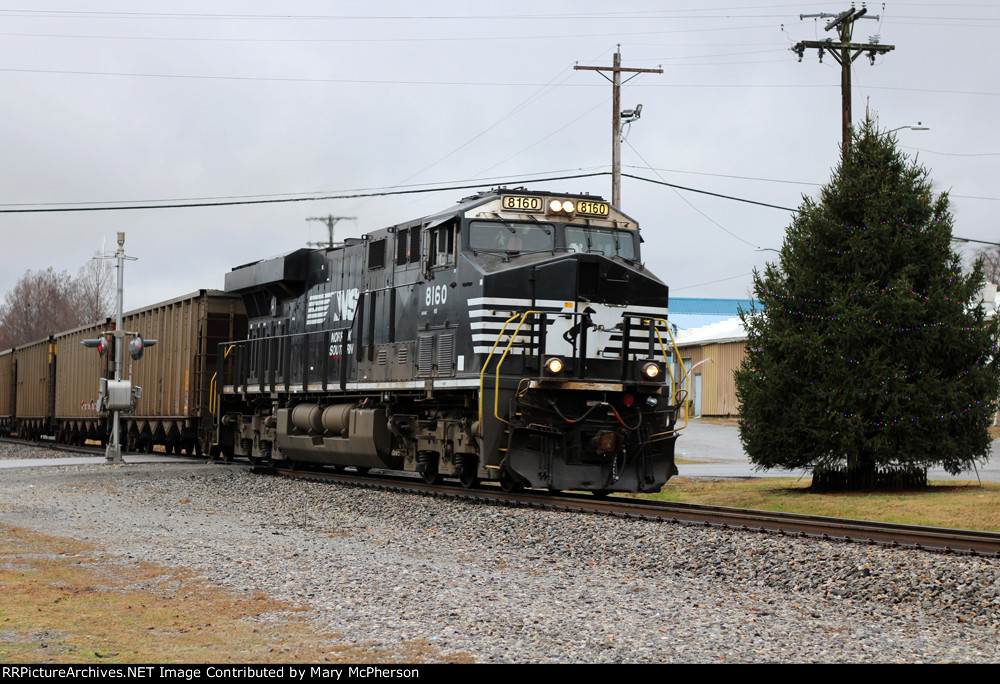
pixel 330 222
pixel 616 70
pixel 845 52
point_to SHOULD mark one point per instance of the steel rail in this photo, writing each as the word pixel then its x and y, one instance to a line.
pixel 935 539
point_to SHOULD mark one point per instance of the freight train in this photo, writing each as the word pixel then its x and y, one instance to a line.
pixel 516 337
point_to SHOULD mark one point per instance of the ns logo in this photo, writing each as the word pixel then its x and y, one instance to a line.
pixel 341 306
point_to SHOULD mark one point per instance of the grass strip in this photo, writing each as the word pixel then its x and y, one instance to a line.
pixel 945 503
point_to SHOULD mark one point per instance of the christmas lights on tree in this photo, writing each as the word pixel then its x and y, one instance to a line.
pixel 866 351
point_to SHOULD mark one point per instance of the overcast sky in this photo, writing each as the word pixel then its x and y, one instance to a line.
pixel 110 102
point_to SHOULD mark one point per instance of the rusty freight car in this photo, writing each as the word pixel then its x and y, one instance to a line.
pixel 77 371
pixel 34 388
pixel 50 386
pixel 176 375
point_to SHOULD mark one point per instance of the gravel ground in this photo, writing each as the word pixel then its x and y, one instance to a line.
pixel 521 586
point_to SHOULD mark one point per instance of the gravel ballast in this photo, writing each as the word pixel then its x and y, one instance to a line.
pixel 519 585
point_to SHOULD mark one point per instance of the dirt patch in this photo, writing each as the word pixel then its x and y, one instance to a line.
pixel 66 602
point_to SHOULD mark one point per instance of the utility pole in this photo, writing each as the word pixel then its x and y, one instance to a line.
pixel 616 116
pixel 330 222
pixel 845 52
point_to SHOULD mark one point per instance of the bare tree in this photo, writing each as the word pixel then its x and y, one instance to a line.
pixel 991 262
pixel 42 302
pixel 95 288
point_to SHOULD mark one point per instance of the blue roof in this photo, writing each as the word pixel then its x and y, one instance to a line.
pixel 684 321
pixel 727 308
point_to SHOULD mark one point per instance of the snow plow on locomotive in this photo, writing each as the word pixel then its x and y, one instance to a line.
pixel 516 337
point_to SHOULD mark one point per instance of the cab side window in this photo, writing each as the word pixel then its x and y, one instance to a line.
pixel 442 245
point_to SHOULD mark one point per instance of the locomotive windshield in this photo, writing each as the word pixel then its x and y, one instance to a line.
pixel 511 237
pixel 600 241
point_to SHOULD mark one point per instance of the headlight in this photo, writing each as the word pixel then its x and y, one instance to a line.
pixel 557 206
pixel 650 371
pixel 554 366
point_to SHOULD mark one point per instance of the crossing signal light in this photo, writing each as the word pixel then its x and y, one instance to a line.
pixel 136 346
pixel 101 344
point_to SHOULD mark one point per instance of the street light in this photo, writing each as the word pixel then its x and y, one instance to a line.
pixel 919 127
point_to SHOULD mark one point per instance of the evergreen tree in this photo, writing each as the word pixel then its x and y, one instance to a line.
pixel 869 349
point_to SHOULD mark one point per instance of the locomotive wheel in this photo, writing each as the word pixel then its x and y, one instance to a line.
pixel 600 493
pixel 469 476
pixel 468 473
pixel 430 474
pixel 362 470
pixel 509 484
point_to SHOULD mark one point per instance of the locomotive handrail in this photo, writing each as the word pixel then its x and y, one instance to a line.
pixel 687 374
pixel 267 378
pixel 212 385
pixel 496 384
pixel 486 364
pixel 513 337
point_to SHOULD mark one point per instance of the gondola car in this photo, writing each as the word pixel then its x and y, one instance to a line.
pixel 515 337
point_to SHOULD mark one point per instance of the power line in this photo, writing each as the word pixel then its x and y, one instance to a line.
pixel 713 194
pixel 726 175
pixel 710 282
pixel 200 203
pixel 488 84
pixel 281 200
pixel 397 39
pixel 179 204
pixel 955 154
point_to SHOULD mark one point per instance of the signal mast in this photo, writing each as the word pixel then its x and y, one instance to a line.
pixel 116 395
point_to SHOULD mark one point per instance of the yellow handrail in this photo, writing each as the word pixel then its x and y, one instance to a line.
pixel 482 373
pixel 510 343
pixel 523 316
pixel 211 385
pixel 673 380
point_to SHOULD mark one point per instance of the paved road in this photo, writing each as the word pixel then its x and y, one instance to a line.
pixel 86 460
pixel 719 453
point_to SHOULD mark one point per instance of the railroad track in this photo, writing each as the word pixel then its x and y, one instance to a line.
pixel 940 540
pixel 893 535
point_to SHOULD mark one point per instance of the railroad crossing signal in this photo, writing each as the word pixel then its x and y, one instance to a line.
pixel 101 344
pixel 136 346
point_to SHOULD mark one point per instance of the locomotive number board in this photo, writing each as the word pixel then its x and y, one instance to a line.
pixel 593 208
pixel 528 203
pixel 522 203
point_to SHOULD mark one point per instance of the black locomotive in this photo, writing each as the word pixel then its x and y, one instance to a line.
pixel 515 337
